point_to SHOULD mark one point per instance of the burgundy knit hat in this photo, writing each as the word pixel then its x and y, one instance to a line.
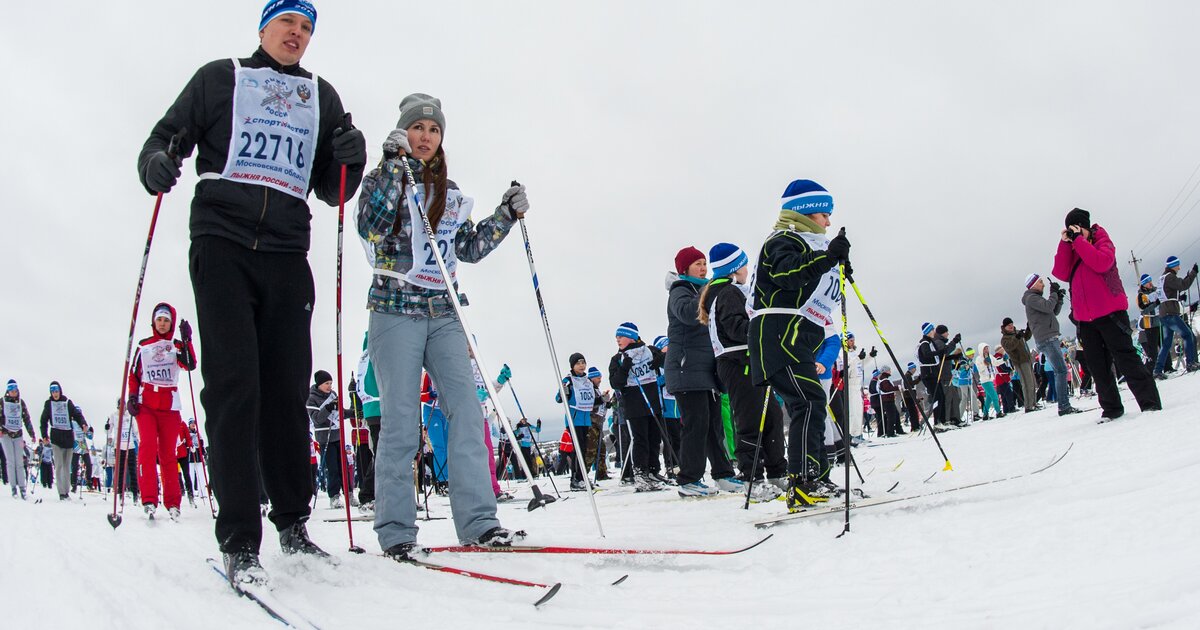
pixel 685 258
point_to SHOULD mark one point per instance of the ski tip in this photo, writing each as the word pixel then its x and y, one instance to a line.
pixel 549 595
pixel 621 579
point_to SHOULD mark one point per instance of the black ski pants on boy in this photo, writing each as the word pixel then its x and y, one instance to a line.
pixel 254 311
pixel 804 398
pixel 747 404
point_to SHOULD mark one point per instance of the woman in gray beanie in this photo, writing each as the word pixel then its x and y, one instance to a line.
pixel 413 325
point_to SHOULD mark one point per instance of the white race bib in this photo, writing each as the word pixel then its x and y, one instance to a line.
pixel 827 297
pixel 585 394
pixel 275 124
pixel 12 416
pixel 641 373
pixel 160 364
pixel 60 416
pixel 425 272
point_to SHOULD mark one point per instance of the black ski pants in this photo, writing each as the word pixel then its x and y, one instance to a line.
pixel 185 470
pixel 1152 345
pixel 254 311
pixel 581 446
pixel 937 396
pixel 703 436
pixel 747 404
pixel 335 457
pixel 646 438
pixel 1109 343
pixel 366 459
pixel 804 399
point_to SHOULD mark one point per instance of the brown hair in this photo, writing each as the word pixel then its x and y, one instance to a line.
pixel 434 174
pixel 701 309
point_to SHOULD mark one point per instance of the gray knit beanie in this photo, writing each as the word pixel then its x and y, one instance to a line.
pixel 414 107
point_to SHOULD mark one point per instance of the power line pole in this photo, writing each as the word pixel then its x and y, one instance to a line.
pixel 1135 260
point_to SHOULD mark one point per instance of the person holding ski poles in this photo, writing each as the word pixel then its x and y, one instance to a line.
pixel 57 415
pixel 581 399
pixel 249 266
pixel 796 293
pixel 154 402
pixel 723 310
pixel 1170 314
pixel 413 324
pixel 633 372
pixel 1086 260
pixel 12 439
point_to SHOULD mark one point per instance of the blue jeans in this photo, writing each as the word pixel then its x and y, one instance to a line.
pixel 1172 324
pixel 1053 351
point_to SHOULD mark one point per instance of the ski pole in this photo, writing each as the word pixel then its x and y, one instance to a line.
pixel 662 428
pixel 537 290
pixel 114 518
pixel 757 447
pixel 346 125
pixel 846 443
pixel 539 500
pixel 200 446
pixel 536 446
pixel 887 346
pixel 845 390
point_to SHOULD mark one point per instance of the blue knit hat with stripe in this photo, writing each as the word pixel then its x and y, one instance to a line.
pixel 724 259
pixel 926 328
pixel 629 330
pixel 276 8
pixel 12 385
pixel 807 197
pixel 1145 279
pixel 594 372
pixel 660 342
pixel 849 336
pixel 911 365
pixel 1173 262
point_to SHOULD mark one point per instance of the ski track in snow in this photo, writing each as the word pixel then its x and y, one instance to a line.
pixel 1105 539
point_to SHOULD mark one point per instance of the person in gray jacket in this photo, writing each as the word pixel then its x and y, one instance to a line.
pixel 323 412
pixel 691 377
pixel 1170 313
pixel 1042 315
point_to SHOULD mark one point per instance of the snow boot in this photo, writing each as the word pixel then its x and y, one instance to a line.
pixel 149 508
pixel 578 486
pixel 243 567
pixel 731 484
pixel 646 483
pixel 503 497
pixel 367 507
pixel 406 552
pixel 779 482
pixel 294 539
pixel 498 537
pixel 697 489
pixel 173 513
pixel 335 502
pixel 763 492
pixel 803 493
pixel 1068 411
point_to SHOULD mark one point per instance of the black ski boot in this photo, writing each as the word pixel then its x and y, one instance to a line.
pixel 406 552
pixel 242 567
pixel 803 493
pixel 498 537
pixel 294 539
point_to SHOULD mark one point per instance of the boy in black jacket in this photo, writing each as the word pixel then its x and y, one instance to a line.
pixel 633 371
pixel 796 294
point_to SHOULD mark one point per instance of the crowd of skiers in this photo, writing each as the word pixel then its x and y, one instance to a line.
pixel 760 342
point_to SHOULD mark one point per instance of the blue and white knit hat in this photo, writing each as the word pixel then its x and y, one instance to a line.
pixel 874 373
pixel 276 8
pixel 807 197
pixel 12 385
pixel 911 365
pixel 1031 280
pixel 926 328
pixel 724 259
pixel 849 336
pixel 1172 262
pixel 594 372
pixel 1145 279
pixel 661 341
pixel 629 330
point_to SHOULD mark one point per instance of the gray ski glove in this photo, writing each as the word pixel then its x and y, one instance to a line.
pixel 514 202
pixel 396 144
pixel 162 171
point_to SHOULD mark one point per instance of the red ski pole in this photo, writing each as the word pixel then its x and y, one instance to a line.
pixel 346 126
pixel 200 447
pixel 114 518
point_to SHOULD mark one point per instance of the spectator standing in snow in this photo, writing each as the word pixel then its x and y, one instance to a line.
pixel 1149 298
pixel 1042 315
pixel 597 452
pixel 1086 259
pixel 127 451
pixel 987 377
pixel 1014 343
pixel 1170 312
pixel 323 412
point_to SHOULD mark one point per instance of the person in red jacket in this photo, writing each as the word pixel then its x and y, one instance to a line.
pixel 183 446
pixel 1087 259
pixel 566 450
pixel 154 401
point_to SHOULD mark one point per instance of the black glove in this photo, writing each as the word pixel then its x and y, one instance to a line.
pixel 349 146
pixel 539 425
pixel 874 352
pixel 862 355
pixel 957 338
pixel 1055 287
pixel 185 331
pixel 839 247
pixel 162 171
pixel 626 362
pixel 1196 269
pixel 352 386
pixel 133 406
pixel 848 270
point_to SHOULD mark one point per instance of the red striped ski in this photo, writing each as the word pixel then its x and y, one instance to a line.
pixel 614 551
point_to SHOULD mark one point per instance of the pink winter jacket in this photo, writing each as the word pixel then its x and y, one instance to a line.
pixel 1090 267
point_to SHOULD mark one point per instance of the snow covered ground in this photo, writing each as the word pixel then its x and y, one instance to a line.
pixel 1108 538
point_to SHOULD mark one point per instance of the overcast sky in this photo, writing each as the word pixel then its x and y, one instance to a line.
pixel 953 136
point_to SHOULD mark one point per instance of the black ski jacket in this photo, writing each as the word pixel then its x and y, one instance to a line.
pixel 691 365
pixel 633 402
pixel 731 321
pixel 62 438
pixel 257 217
pixel 930 355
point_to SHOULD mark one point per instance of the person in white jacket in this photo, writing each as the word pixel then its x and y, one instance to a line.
pixel 854 384
pixel 987 372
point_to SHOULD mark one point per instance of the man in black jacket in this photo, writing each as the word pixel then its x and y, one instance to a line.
pixel 57 415
pixel 268 133
pixel 931 354
pixel 633 371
